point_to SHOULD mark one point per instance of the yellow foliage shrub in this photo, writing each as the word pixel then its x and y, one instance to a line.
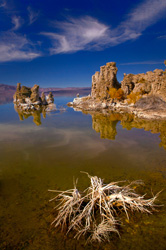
pixel 116 93
pixel 133 97
pixel 120 94
pixel 112 92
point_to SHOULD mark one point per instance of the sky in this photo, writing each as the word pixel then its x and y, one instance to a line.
pixel 61 43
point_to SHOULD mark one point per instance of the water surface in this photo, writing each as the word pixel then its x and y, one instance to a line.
pixel 45 151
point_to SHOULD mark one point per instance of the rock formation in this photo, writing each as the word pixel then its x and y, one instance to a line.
pixel 43 99
pixel 21 93
pixel 50 98
pixel 104 80
pixel 148 89
pixel 35 94
pixel 150 83
pixel 28 99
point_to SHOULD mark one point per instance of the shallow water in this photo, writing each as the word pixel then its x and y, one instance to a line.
pixel 37 154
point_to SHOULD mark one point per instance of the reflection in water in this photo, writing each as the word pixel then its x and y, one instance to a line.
pixel 23 114
pixel 35 113
pixel 105 124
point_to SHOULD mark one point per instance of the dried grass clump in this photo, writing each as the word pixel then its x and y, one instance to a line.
pixel 95 211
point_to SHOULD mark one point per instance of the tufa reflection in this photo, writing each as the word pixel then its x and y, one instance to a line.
pixel 105 124
pixel 35 113
pixel 38 112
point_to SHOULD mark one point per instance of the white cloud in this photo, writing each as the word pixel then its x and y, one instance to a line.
pixel 88 33
pixel 17 21
pixel 3 4
pixel 143 63
pixel 148 12
pixel 33 15
pixel 162 37
pixel 143 16
pixel 78 34
pixel 14 47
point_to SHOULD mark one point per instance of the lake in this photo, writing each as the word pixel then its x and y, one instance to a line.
pixel 45 151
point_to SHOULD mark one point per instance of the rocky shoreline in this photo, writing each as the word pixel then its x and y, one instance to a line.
pixel 143 95
pixel 89 104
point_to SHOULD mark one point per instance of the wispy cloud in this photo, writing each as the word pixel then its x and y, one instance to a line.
pixel 14 47
pixel 140 18
pixel 78 34
pixel 33 15
pixel 17 21
pixel 88 33
pixel 3 4
pixel 162 37
pixel 143 63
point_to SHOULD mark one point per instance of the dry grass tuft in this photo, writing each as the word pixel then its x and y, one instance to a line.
pixel 95 211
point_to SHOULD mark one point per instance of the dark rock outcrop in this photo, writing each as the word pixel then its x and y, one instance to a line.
pixel 104 80
pixel 151 102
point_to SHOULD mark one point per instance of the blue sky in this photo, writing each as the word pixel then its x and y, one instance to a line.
pixel 62 43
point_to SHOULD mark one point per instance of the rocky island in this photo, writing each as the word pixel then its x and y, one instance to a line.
pixel 28 99
pixel 143 95
pixel 28 102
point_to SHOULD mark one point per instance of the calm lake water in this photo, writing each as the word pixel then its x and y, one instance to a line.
pixel 46 151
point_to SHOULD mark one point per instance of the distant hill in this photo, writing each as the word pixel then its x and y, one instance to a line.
pixel 7 92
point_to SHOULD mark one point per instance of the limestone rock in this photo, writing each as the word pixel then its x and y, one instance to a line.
pixel 17 94
pixel 35 94
pixel 151 102
pixel 149 83
pixel 43 99
pixel 50 98
pixel 104 80
pixel 21 93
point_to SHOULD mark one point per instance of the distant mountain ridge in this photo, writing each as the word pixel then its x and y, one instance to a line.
pixel 7 92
